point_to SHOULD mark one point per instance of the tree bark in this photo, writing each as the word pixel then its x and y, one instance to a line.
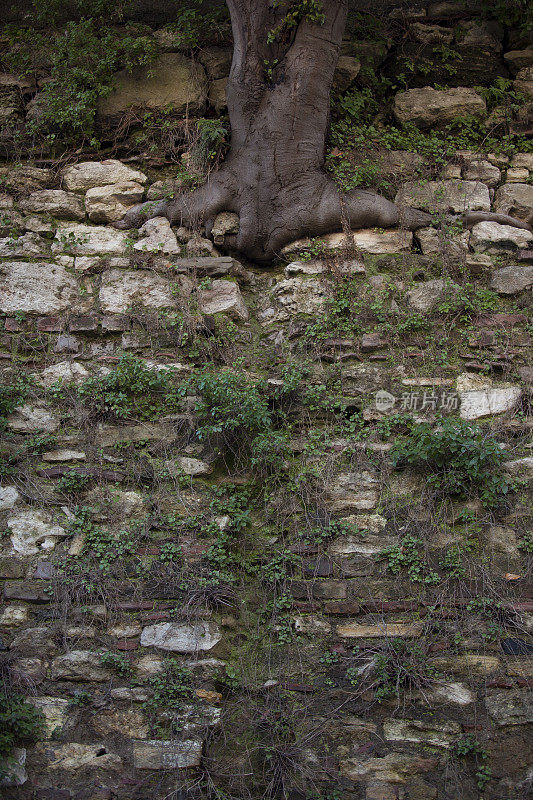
pixel 274 177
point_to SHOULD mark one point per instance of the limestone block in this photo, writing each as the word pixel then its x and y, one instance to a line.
pixel 80 665
pixel 223 297
pixel 58 203
pixel 453 692
pixel 28 245
pixel 35 287
pixel 393 767
pixel 483 171
pixel 510 707
pixel 437 734
pixel 120 289
pixel 157 237
pixel 515 199
pixel 429 107
pixel 12 616
pixel 160 754
pixel 88 174
pixel 403 630
pixel 486 402
pixel 171 81
pixel 491 237
pixel 425 296
pixel 187 466
pixel 451 196
pixel 76 757
pixel 64 372
pixel 109 203
pixel 433 241
pixel 469 663
pixel 86 240
pixel 181 637
pixel 519 59
pixel 353 491
pixel 8 497
pixel 32 419
pixel 54 710
pixel 512 279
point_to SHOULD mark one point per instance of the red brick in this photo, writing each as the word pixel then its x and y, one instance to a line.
pixel 127 644
pixel 50 324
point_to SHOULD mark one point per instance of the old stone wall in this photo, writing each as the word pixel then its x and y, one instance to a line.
pixel 225 574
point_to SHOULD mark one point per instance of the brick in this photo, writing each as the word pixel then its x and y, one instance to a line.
pixel 11 568
pixel 50 324
pixel 83 324
pixel 404 630
pixel 112 323
pixel 128 644
pixel 30 591
pixel 11 325
pixel 343 607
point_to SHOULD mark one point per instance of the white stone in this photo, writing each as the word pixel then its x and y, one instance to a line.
pixel 12 616
pixel 158 237
pixel 63 372
pixel 13 768
pixel 367 240
pixel 171 81
pixel 32 419
pixel 189 466
pixel 515 199
pixel 434 241
pixel 60 204
pixel 77 757
pixel 224 224
pixel 425 296
pixel 512 279
pixel 88 174
pixel 486 402
pixel 121 289
pixel 181 637
pixel 520 466
pixel 452 196
pixel 456 693
pixel 110 203
pixel 353 490
pixel 441 734
pixel 161 754
pixel 491 237
pixel 427 107
pixel 28 245
pixel 88 240
pixel 55 456
pixel 484 171
pixel 54 710
pixel 311 624
pixel 80 665
pixel 524 160
pixel 33 531
pixel 8 497
pixel 36 287
pixel 295 296
pixel 223 297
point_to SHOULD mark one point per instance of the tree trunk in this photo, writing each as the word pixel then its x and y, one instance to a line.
pixel 274 178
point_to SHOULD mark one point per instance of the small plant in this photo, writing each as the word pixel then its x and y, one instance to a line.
pixel 457 458
pixel 132 390
pixel 118 662
pixel 469 747
pixel 401 665
pixel 171 690
pixel 20 723
pixel 407 555
pixel 73 482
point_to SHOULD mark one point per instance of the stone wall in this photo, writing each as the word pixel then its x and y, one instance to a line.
pixel 270 603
